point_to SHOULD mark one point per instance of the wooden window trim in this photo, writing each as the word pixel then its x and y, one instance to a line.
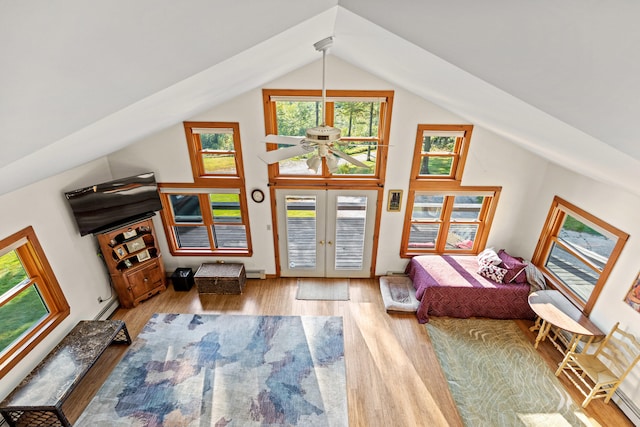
pixel 195 150
pixel 207 219
pixel 485 217
pixel 39 270
pixel 559 208
pixel 459 155
pixel 326 179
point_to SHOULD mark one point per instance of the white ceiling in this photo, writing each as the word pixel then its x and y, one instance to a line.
pixel 80 79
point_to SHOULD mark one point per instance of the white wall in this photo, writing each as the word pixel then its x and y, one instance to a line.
pixel 80 272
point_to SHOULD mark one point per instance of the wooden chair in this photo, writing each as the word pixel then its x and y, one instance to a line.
pixel 599 374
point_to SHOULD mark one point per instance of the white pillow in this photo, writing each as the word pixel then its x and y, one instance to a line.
pixel 488 256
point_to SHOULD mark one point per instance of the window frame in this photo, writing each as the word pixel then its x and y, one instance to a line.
pixel 549 235
pixel 271 96
pixel 459 155
pixel 195 150
pixel 34 261
pixel 484 221
pixel 168 220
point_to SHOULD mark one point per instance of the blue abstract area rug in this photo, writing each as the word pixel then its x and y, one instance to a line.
pixel 227 370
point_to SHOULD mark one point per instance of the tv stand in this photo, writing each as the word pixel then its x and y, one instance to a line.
pixel 134 261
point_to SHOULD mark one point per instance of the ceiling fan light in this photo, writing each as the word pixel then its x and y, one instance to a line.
pixel 313 163
pixel 332 163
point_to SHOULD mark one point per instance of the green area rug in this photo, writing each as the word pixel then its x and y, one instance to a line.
pixel 496 376
pixel 224 370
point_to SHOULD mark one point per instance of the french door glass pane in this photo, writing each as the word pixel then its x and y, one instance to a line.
pixel 301 231
pixel 466 208
pixel 423 236
pixel 230 236
pixel 192 237
pixel 571 271
pixel 20 314
pixel 427 207
pixel 225 207
pixel 186 208
pixel 351 217
pixel 461 236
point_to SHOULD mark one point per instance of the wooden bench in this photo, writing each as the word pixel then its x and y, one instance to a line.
pixel 37 400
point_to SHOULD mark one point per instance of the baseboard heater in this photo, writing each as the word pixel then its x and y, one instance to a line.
pixel 627 406
pixel 112 305
pixel 256 274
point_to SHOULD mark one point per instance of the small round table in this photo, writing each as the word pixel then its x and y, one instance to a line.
pixel 555 310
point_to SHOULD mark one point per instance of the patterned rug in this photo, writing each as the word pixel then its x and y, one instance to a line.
pixel 497 378
pixel 221 370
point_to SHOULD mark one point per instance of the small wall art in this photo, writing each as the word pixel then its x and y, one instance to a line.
pixel 633 297
pixel 394 201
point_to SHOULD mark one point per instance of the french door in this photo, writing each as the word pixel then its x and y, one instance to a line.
pixel 325 233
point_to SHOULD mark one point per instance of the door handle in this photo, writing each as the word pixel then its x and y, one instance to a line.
pixel 321 242
pixel 329 242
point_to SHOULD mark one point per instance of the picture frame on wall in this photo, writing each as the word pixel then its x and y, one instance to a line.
pixel 394 201
pixel 633 296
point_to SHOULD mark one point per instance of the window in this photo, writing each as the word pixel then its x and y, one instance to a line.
pixel 199 222
pixel 210 216
pixel 576 252
pixel 454 221
pixel 31 301
pixel 363 118
pixel 214 149
pixel 441 151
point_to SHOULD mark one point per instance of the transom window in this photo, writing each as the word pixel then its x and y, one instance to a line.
pixel 31 301
pixel 363 119
pixel 577 251
pixel 440 151
pixel 454 221
pixel 214 149
pixel 212 222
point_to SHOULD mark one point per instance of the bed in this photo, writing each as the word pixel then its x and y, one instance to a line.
pixel 449 285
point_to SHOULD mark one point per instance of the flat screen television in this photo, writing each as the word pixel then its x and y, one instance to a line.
pixel 100 207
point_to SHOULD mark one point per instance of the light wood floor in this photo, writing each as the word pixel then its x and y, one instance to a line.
pixel 393 376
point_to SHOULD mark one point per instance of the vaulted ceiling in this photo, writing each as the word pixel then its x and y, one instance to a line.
pixel 80 79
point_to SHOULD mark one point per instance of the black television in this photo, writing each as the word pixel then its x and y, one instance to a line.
pixel 104 206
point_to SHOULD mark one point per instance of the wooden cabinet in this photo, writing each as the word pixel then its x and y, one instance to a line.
pixel 134 261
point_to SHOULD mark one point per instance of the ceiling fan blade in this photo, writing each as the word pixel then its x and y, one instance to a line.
pixel 350 159
pixel 275 156
pixel 283 139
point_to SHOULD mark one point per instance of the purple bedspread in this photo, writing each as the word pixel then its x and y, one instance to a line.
pixel 450 286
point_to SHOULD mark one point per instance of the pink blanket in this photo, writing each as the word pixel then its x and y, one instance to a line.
pixel 450 286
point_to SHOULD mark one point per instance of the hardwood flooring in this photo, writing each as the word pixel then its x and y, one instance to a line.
pixel 393 375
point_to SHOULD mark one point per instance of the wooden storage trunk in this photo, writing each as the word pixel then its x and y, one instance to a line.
pixel 220 278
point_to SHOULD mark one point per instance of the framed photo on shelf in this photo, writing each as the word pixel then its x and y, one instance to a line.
pixel 135 245
pixel 127 263
pixel 394 201
pixel 143 256
pixel 120 251
pixel 129 233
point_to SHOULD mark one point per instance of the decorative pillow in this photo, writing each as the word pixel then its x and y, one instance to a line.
pixel 515 268
pixel 492 272
pixel 489 256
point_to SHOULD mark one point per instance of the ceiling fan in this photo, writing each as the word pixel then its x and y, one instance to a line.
pixel 323 138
